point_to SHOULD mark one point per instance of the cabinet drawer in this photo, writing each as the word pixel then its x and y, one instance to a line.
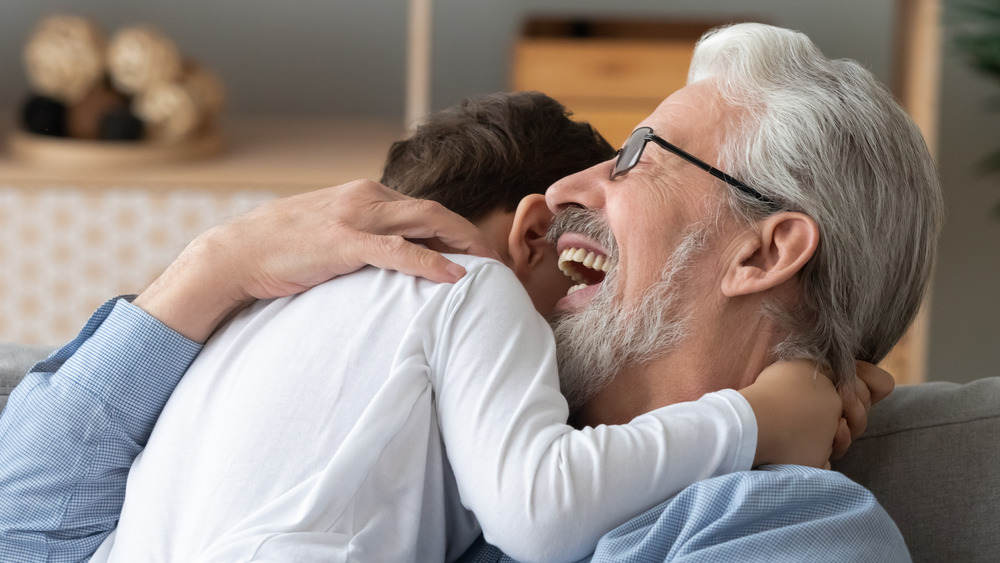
pixel 614 121
pixel 603 68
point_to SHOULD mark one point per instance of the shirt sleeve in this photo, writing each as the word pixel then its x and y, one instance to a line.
pixel 540 489
pixel 73 427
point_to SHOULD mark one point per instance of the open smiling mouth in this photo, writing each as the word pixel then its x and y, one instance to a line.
pixel 585 267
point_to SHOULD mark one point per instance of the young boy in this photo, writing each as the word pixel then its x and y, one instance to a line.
pixel 379 417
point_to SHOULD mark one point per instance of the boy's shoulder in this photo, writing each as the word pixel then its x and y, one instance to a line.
pixel 490 279
pixel 481 270
pixel 471 262
pixel 486 280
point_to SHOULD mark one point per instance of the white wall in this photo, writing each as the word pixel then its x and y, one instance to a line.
pixel 965 312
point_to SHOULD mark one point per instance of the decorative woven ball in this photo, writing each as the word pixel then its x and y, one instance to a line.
pixel 206 87
pixel 84 118
pixel 120 124
pixel 141 56
pixel 169 110
pixel 64 57
pixel 44 116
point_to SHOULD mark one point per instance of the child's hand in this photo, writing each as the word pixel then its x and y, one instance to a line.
pixel 874 385
pixel 798 414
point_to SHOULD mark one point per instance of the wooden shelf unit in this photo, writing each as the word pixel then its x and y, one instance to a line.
pixel 76 234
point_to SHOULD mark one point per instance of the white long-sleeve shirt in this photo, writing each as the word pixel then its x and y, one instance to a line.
pixel 369 418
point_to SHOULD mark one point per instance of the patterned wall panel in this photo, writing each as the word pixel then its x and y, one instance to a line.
pixel 64 250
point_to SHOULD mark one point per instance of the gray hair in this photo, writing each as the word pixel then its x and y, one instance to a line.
pixel 825 138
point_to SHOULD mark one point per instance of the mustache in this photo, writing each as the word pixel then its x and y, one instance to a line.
pixel 590 223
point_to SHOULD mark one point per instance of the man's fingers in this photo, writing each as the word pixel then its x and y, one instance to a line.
pixel 397 253
pixel 878 381
pixel 436 245
pixel 422 219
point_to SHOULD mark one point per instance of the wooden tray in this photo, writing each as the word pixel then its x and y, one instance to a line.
pixel 75 153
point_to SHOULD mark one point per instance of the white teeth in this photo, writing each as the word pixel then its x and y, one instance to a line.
pixel 588 259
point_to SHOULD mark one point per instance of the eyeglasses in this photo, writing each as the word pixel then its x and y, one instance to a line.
pixel 629 154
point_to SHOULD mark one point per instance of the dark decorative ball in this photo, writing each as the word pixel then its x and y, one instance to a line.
pixel 84 118
pixel 120 124
pixel 44 116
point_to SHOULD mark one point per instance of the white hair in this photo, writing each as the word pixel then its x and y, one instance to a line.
pixel 825 138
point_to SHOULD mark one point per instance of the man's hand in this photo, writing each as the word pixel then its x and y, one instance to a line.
pixel 873 385
pixel 798 414
pixel 292 244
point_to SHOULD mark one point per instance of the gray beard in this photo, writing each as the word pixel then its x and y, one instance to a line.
pixel 597 343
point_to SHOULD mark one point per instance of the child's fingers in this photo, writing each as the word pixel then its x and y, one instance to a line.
pixel 856 417
pixel 878 381
pixel 841 440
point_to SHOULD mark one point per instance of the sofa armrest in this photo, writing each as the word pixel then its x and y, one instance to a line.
pixel 930 457
pixel 15 361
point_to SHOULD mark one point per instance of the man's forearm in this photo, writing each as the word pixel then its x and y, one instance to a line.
pixel 196 293
pixel 72 428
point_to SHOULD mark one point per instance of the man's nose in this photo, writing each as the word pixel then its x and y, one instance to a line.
pixel 583 189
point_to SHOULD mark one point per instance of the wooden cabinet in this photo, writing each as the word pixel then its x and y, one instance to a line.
pixel 610 73
pixel 73 236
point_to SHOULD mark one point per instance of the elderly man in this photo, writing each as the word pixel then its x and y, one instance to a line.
pixel 816 242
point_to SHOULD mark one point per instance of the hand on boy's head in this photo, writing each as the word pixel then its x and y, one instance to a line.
pixel 298 242
pixel 289 245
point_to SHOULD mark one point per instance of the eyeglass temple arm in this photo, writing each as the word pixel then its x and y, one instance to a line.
pixel 667 145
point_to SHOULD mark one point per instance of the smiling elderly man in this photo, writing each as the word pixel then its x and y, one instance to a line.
pixel 817 241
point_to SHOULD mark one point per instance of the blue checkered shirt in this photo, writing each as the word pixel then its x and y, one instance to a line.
pixel 72 428
pixel 778 513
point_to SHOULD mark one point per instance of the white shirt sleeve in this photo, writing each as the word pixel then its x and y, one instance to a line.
pixel 540 489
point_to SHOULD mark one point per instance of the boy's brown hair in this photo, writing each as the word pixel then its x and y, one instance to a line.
pixel 490 151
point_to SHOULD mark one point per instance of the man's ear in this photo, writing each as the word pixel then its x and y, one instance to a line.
pixel 782 247
pixel 527 244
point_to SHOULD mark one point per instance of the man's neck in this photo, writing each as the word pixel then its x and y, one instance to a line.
pixel 701 364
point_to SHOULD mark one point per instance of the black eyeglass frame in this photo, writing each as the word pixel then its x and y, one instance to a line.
pixel 646 134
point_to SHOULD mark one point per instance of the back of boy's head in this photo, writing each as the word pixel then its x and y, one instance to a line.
pixel 490 151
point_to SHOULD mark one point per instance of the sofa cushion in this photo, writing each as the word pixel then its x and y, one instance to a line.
pixel 15 361
pixel 930 456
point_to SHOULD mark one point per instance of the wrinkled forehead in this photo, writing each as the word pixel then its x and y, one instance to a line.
pixel 694 118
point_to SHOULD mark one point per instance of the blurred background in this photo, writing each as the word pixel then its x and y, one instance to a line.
pixel 312 69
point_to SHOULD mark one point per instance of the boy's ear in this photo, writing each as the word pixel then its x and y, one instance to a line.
pixel 768 258
pixel 527 244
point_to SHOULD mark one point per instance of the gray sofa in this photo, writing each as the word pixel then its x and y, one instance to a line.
pixel 929 455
